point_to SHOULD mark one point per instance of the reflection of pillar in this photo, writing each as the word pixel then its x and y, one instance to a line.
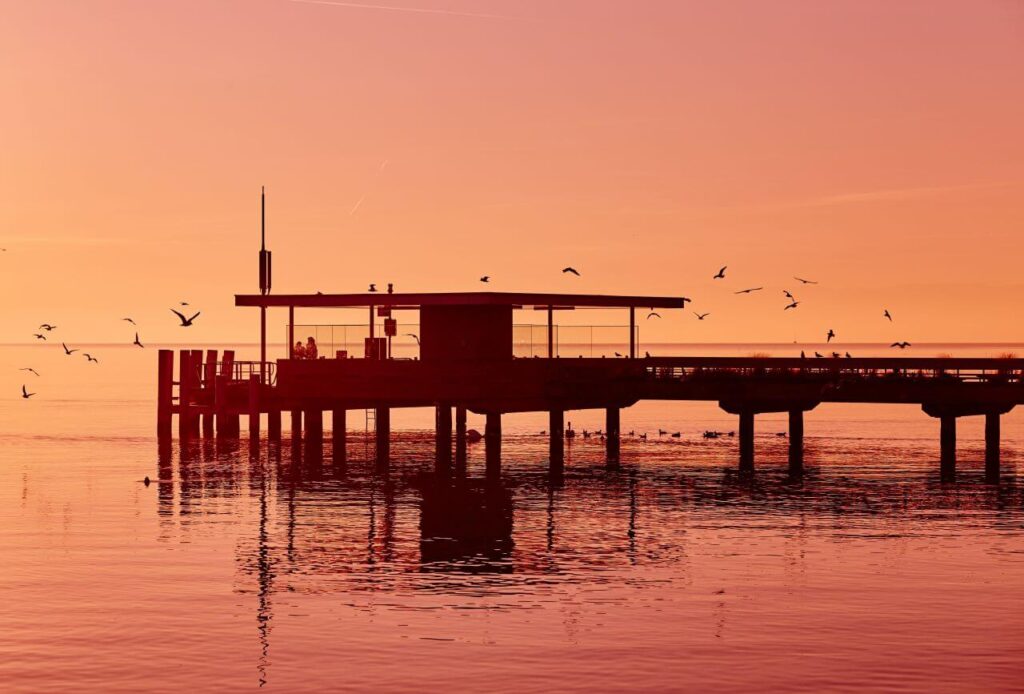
pixel 460 440
pixel 339 434
pixel 747 441
pixel 314 433
pixel 612 433
pixel 796 441
pixel 992 446
pixel 254 409
pixel 492 441
pixel 296 416
pixel 383 423
pixel 443 439
pixel 557 441
pixel 947 446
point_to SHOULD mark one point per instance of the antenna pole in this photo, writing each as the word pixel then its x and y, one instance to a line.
pixel 263 219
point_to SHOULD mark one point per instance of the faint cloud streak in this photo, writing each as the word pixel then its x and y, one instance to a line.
pixel 410 10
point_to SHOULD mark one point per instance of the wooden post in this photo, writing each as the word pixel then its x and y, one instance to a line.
pixel 632 332
pixel 947 447
pixel 551 332
pixel 291 332
pixel 492 443
pixel 196 388
pixel 443 439
pixel 556 442
pixel 209 383
pixel 254 409
pixel 339 435
pixel 164 393
pixel 612 440
pixel 220 397
pixel 382 420
pixel 796 442
pixel 296 427
pixel 184 393
pixel 460 440
pixel 992 436
pixel 747 441
pixel 227 373
pixel 274 424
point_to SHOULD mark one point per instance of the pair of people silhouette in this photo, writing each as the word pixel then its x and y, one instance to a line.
pixel 307 351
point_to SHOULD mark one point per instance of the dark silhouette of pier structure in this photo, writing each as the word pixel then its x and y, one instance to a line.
pixel 466 363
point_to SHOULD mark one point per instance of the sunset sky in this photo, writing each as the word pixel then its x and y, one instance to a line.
pixel 877 147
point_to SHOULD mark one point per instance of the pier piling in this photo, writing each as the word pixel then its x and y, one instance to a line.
pixel 747 441
pixel 796 442
pixel 274 424
pixel 165 393
pixel 296 425
pixel 492 443
pixel 992 436
pixel 184 394
pixel 460 440
pixel 947 447
pixel 443 440
pixel 382 420
pixel 231 426
pixel 339 437
pixel 209 379
pixel 612 437
pixel 254 409
pixel 556 441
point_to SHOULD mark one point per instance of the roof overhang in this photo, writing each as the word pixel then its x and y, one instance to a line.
pixel 514 299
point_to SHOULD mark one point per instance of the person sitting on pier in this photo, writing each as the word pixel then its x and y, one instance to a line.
pixel 299 352
pixel 310 348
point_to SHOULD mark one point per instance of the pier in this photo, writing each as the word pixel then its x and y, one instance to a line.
pixel 466 363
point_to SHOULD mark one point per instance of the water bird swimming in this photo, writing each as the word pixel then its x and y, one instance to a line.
pixel 66 350
pixel 185 322
pixel 701 316
pixel 572 270
pixel 29 368
pixel 24 392
pixel 137 343
pixel 721 273
pixel 901 345
pixel 90 357
pixel 748 291
pixel 801 279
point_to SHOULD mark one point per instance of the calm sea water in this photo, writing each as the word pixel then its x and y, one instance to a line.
pixel 232 572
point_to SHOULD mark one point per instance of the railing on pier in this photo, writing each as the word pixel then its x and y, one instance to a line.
pixel 239 370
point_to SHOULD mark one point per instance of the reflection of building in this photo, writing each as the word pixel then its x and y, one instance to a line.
pixel 466 525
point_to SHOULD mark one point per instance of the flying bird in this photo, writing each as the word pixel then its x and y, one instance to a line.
pixel 373 287
pixel 24 392
pixel 901 345
pixel 67 351
pixel 485 278
pixel 721 273
pixel 47 327
pixel 747 291
pixel 39 337
pixel 184 303
pixel 788 295
pixel 572 270
pixel 414 336
pixel 831 334
pixel 29 368
pixel 653 314
pixel 90 357
pixel 801 279
pixel 888 315
pixel 701 316
pixel 792 305
pixel 185 322
pixel 137 341
pixel 129 320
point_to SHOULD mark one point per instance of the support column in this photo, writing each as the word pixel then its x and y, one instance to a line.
pixel 992 435
pixel 383 422
pixel 196 375
pixel 632 332
pixel 492 442
pixel 947 447
pixel 796 442
pixel 314 437
pixel 164 392
pixel 263 344
pixel 556 433
pixel 612 438
pixel 274 424
pixel 209 384
pixel 460 440
pixel 184 393
pixel 254 410
pixel 747 441
pixel 339 434
pixel 296 416
pixel 291 332
pixel 551 332
pixel 443 439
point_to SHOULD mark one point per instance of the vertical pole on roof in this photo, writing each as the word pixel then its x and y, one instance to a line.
pixel 263 344
pixel 291 332
pixel 632 332
pixel 551 333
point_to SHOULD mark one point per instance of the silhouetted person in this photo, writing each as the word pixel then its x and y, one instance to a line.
pixel 310 348
pixel 299 352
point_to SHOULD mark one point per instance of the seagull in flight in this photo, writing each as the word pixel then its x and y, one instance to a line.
pixel 901 345
pixel 653 314
pixel 184 303
pixel 29 368
pixel 788 295
pixel 185 322
pixel 748 291
pixel 90 357
pixel 414 336
pixel 701 316
pixel 792 305
pixel 67 351
pixel 485 278
pixel 373 287
pixel 572 270
pixel 47 327
pixel 721 273
pixel 888 315
pixel 801 279
pixel 24 392
pixel 137 341
pixel 831 334
pixel 129 320
pixel 38 336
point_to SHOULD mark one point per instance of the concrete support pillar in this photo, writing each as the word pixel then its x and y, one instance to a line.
pixel 992 422
pixel 254 409
pixel 383 421
pixel 947 447
pixel 296 416
pixel 209 384
pixel 556 444
pixel 747 441
pixel 443 440
pixel 314 435
pixel 339 434
pixel 460 440
pixel 164 393
pixel 796 442
pixel 612 437
pixel 274 424
pixel 492 442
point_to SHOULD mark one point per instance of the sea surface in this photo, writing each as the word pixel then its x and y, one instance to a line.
pixel 232 572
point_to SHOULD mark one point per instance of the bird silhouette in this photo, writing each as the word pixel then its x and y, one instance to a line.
pixel 90 357
pixel 47 327
pixel 901 345
pixel 788 295
pixel 653 314
pixel 67 351
pixel 802 355
pixel 792 305
pixel 849 356
pixel 185 322
pixel 391 288
pixel 748 291
pixel 819 355
pixel 617 354
pixel 647 355
pixel 414 336
pixel 24 392
pixel 830 335
pixel 801 279
pixel 137 342
pixel 701 316
pixel 39 337
pixel 29 368
pixel 888 315
pixel 835 355
pixel 373 287
pixel 721 273
pixel 485 278
pixel 184 303
pixel 129 320
pixel 572 270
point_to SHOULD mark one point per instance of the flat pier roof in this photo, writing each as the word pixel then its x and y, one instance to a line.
pixel 413 300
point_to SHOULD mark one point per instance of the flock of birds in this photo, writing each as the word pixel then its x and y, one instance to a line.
pixel 47 328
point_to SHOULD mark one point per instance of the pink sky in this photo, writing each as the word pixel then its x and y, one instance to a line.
pixel 874 146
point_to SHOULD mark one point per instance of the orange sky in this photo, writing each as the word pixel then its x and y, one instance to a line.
pixel 875 146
